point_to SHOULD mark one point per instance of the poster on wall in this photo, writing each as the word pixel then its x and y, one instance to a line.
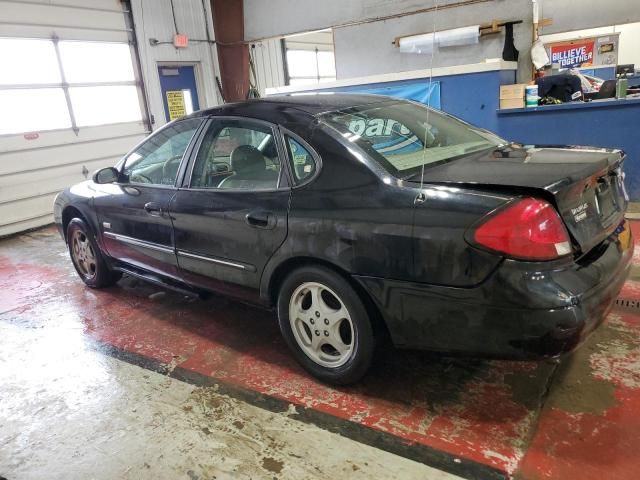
pixel 176 105
pixel 574 54
pixel 607 52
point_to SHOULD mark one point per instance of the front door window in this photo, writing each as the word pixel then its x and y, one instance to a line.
pixel 156 161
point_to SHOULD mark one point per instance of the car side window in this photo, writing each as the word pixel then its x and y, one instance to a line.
pixel 156 161
pixel 303 165
pixel 237 154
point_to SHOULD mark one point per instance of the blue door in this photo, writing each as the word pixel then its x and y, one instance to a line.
pixel 179 92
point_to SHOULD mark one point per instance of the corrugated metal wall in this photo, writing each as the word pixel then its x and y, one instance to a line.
pixel 268 62
pixel 153 19
pixel 33 170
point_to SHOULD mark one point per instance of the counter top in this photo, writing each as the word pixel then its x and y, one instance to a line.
pixel 487 66
pixel 606 103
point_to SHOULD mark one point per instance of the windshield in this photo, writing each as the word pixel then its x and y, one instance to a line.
pixel 395 135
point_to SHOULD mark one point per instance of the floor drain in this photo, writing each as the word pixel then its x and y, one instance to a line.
pixel 621 302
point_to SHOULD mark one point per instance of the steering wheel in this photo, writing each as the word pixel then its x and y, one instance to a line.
pixel 169 162
pixel 139 178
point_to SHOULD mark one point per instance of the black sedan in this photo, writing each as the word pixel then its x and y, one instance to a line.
pixel 364 218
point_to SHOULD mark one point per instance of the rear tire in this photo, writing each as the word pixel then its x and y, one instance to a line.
pixel 87 257
pixel 326 325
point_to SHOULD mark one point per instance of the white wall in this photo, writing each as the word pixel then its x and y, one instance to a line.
pixel 367 49
pixel 568 15
pixel 363 40
pixel 629 43
pixel 153 19
pixel 272 18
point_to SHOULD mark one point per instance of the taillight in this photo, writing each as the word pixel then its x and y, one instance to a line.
pixel 529 229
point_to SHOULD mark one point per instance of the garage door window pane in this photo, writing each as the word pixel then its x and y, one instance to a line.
pixel 27 62
pixel 326 64
pixel 302 63
pixel 102 105
pixel 33 110
pixel 96 62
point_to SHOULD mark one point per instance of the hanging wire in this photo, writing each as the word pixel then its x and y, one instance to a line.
pixel 426 127
pixel 254 88
pixel 173 15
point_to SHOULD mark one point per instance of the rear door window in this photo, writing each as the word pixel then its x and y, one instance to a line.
pixel 303 164
pixel 237 154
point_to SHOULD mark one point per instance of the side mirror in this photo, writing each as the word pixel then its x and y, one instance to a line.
pixel 106 175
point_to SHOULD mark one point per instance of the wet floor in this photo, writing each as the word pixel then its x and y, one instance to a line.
pixel 135 382
pixel 69 412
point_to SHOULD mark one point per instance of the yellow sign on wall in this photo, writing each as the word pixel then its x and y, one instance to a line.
pixel 175 103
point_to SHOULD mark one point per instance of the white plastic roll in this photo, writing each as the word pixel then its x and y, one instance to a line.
pixel 446 38
pixel 458 36
pixel 417 43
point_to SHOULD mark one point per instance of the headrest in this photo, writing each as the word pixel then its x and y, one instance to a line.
pixel 245 159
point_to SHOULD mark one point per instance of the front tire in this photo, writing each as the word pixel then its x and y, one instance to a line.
pixel 87 257
pixel 326 325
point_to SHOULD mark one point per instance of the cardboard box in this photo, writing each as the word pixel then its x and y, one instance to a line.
pixel 511 103
pixel 512 91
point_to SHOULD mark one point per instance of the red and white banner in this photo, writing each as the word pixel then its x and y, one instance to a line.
pixel 572 54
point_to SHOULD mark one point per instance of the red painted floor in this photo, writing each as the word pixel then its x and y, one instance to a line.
pixel 485 411
pixel 596 437
pixel 590 426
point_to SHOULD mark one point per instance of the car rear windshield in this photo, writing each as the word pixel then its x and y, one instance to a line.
pixel 403 136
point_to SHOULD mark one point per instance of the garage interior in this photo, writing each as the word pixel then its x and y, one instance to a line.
pixel 137 381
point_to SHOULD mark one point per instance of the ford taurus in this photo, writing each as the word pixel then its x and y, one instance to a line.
pixel 363 218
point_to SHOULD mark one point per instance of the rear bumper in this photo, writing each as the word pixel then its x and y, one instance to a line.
pixel 524 310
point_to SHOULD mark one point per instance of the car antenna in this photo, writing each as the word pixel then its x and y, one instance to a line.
pixel 421 196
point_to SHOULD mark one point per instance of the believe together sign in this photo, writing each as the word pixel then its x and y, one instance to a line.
pixel 574 54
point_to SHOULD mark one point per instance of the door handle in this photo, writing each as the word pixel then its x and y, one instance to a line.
pixel 261 219
pixel 153 209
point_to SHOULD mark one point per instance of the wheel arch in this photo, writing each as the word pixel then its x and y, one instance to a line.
pixel 281 272
pixel 69 213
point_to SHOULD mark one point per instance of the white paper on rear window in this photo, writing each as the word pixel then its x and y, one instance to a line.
pixel 407 161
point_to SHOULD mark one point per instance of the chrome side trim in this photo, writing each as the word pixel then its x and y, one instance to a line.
pixel 138 243
pixel 212 260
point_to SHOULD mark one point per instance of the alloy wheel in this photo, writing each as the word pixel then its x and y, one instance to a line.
pixel 321 324
pixel 84 255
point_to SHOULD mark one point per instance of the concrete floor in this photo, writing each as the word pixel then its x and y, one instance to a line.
pixel 133 382
pixel 69 412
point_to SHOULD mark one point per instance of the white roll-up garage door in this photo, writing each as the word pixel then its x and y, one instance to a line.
pixel 70 100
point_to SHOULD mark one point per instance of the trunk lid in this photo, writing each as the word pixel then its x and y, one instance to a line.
pixel 585 184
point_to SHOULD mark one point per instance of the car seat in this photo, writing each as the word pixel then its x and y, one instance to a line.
pixel 249 170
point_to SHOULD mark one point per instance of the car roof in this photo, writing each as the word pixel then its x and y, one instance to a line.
pixel 310 103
